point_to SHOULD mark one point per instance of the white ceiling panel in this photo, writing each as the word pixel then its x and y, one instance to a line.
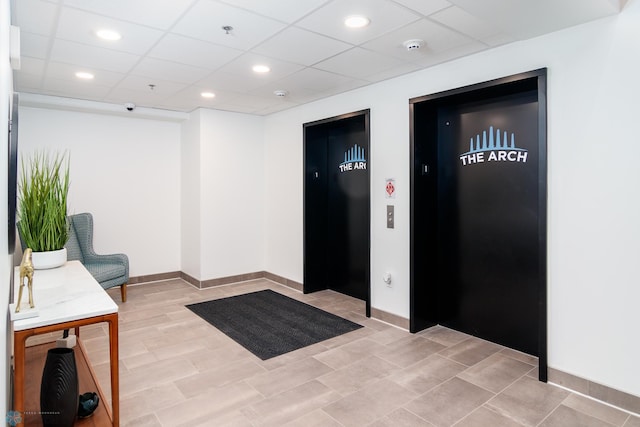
pixel 466 23
pixel 154 13
pixel 167 70
pixel 43 22
pixel 525 19
pixel 301 46
pixel 384 15
pixel 92 57
pixel 359 63
pixel 314 80
pixel 138 84
pixel 62 71
pixel 206 19
pixel 242 66
pixel 282 10
pixel 73 88
pixel 198 53
pixel 231 81
pixel 33 45
pixel 78 26
pixel 435 37
pixel 450 54
pixel 425 7
pixel 180 46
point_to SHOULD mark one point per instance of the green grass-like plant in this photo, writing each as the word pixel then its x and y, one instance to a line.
pixel 42 208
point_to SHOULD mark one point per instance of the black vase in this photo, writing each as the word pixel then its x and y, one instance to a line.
pixel 59 388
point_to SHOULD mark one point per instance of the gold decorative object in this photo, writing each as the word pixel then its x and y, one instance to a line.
pixel 26 270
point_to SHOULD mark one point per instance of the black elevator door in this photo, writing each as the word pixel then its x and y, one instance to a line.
pixel 488 220
pixel 337 207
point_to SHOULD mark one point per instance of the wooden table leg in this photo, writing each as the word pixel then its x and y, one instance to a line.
pixel 115 373
pixel 19 343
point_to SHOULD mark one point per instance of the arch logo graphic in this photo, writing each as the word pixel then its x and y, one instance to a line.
pixel 496 147
pixel 354 159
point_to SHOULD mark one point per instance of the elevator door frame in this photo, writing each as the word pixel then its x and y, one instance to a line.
pixel 366 115
pixel 423 307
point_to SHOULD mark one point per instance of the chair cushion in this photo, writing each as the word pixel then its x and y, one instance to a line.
pixel 103 271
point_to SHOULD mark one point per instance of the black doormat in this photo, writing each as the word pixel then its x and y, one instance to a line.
pixel 269 324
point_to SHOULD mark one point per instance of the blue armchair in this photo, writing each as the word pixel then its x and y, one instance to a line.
pixel 108 270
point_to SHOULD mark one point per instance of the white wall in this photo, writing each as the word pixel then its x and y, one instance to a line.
pixel 190 194
pixel 594 202
pixel 232 193
pixel 126 172
pixel 6 262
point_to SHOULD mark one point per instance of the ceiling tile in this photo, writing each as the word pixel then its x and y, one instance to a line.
pixel 359 63
pixel 153 13
pixel 161 88
pixel 314 80
pixel 206 19
pixel 435 37
pixel 230 81
pixel 167 70
pixel 188 51
pixel 450 54
pixel 524 19
pixel 384 15
pixel 33 45
pixel 79 26
pixel 301 46
pixel 62 71
pixel 425 7
pixel 466 23
pixel 242 66
pixel 92 57
pixel 74 89
pixel 282 10
pixel 42 22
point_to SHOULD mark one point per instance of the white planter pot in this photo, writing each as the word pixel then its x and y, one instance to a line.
pixel 49 259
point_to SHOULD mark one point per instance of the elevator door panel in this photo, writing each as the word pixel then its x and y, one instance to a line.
pixel 336 214
pixel 488 220
pixel 348 211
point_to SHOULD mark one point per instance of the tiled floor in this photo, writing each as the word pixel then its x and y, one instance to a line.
pixel 177 370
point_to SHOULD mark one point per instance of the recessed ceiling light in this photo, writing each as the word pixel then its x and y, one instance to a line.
pixel 108 35
pixel 261 69
pixel 84 75
pixel 208 94
pixel 356 21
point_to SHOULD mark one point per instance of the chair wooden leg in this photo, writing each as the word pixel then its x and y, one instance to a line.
pixel 123 292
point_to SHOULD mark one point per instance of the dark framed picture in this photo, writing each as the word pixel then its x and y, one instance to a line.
pixel 13 173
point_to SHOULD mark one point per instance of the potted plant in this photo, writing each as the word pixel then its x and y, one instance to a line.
pixel 42 208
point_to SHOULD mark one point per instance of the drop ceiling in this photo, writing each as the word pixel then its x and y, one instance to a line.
pixel 173 50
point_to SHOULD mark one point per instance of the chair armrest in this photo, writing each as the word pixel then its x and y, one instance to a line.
pixel 110 258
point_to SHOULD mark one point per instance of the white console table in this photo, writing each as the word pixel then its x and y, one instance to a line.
pixel 67 297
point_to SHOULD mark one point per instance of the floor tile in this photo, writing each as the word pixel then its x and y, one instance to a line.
pixel 359 375
pixel 471 351
pixel 485 417
pixel 495 372
pixel 528 401
pixel 633 421
pixel 450 402
pixel 564 416
pixel 290 405
pixel 596 409
pixel 401 418
pixel 288 377
pixel 369 404
pixel 428 373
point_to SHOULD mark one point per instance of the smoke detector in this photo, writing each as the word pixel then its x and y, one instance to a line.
pixel 413 44
pixel 280 93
